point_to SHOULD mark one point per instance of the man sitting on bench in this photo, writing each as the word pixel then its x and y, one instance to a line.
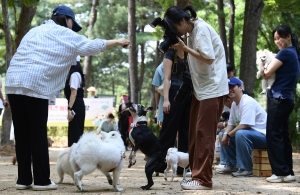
pixel 246 131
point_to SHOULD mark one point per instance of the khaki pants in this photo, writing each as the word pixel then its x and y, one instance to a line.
pixel 204 117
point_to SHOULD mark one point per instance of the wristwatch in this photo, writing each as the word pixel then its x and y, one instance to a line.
pixel 69 108
pixel 226 133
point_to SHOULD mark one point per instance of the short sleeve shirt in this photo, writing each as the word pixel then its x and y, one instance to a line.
pixel 286 75
pixel 248 112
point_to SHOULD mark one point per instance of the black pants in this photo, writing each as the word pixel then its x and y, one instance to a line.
pixel 30 117
pixel 76 126
pixel 278 141
pixel 176 121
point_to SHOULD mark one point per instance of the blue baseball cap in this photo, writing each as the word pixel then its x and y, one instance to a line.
pixel 65 10
pixel 234 81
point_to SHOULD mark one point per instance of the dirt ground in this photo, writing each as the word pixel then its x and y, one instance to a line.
pixel 132 178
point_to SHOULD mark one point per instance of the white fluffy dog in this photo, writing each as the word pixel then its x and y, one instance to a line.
pixel 263 59
pixel 174 159
pixel 106 154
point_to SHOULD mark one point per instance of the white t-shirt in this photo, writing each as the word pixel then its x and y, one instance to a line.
pixel 75 80
pixel 209 81
pixel 248 112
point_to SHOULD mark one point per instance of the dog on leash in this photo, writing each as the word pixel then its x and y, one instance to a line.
pixel 175 158
pixel 106 154
pixel 263 59
pixel 144 140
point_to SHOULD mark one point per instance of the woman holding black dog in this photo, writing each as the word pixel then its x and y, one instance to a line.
pixel 74 93
pixel 207 64
pixel 176 114
pixel 37 70
pixel 281 104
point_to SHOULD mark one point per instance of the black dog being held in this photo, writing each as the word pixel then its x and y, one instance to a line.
pixel 144 140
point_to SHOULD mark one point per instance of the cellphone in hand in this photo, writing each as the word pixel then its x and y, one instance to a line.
pixel 73 113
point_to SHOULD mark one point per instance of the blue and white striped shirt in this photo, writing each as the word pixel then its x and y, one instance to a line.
pixel 44 57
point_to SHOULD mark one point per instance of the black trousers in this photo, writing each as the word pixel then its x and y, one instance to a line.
pixel 76 126
pixel 176 121
pixel 30 117
pixel 278 141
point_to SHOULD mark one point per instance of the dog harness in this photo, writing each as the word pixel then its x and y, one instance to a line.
pixel 133 125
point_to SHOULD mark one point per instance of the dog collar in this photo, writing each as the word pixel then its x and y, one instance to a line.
pixel 138 124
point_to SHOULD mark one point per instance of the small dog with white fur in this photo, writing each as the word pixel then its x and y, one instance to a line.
pixel 105 152
pixel 263 59
pixel 175 158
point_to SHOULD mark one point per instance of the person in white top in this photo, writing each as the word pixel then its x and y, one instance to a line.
pixel 246 130
pixel 38 69
pixel 207 65
pixel 74 93
pixel 3 102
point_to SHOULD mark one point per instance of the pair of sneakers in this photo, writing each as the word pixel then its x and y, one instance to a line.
pixel 279 179
pixel 192 185
pixel 51 186
pixel 235 172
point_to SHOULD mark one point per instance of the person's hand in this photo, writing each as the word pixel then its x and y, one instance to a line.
pixel 5 103
pixel 266 77
pixel 225 140
pixel 166 106
pixel 178 45
pixel 123 42
pixel 70 116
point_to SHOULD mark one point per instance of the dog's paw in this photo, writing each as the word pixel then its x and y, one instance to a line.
pixel 165 178
pixel 263 92
pixel 118 189
pixel 147 187
pixel 110 181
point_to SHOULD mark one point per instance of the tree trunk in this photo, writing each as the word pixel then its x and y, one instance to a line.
pixel 132 52
pixel 6 120
pixel 88 59
pixel 253 10
pixel 222 31
pixel 182 3
pixel 142 68
pixel 24 23
pixel 231 32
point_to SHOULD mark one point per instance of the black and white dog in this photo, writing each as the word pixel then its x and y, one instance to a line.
pixel 144 140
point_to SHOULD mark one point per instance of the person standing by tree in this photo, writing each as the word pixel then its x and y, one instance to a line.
pixel 158 80
pixel 37 70
pixel 280 103
pixel 74 93
pixel 207 64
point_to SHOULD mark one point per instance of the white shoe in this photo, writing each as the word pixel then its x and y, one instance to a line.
pixel 275 179
pixel 289 178
pixel 51 186
pixel 23 187
pixel 193 185
pixel 227 169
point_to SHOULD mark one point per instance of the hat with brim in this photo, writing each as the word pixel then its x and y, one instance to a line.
pixel 92 89
pixel 65 10
pixel 234 81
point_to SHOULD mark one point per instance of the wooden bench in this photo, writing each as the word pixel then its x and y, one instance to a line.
pixel 261 164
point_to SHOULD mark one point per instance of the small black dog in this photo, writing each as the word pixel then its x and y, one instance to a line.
pixel 144 140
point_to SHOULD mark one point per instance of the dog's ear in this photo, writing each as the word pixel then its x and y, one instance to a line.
pixel 149 109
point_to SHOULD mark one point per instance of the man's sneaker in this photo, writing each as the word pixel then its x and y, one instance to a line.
pixel 51 186
pixel 185 181
pixel 242 173
pixel 227 169
pixel 289 178
pixel 23 187
pixel 193 185
pixel 275 179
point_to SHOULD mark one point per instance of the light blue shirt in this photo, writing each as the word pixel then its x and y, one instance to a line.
pixel 157 81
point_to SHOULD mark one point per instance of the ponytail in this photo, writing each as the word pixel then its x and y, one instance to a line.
pixel 294 39
pixel 192 11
